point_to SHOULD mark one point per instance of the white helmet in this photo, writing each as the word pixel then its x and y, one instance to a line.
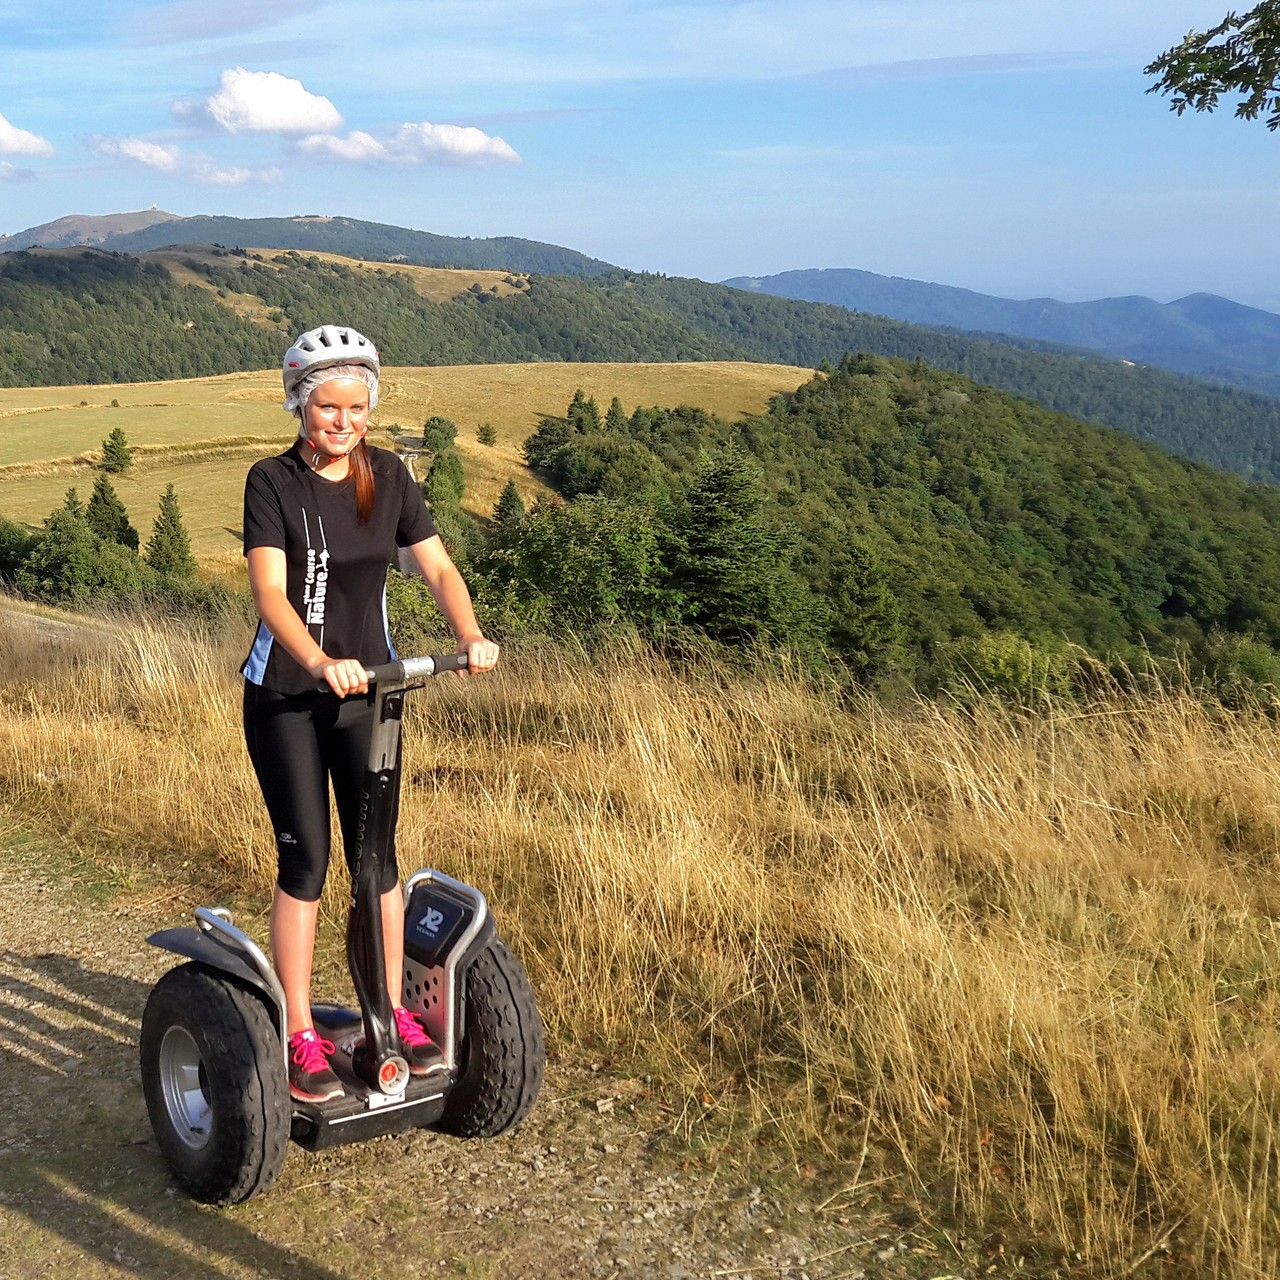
pixel 329 344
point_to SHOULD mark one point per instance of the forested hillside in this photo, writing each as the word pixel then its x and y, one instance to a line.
pixel 1202 335
pixel 912 520
pixel 87 316
pixel 1232 429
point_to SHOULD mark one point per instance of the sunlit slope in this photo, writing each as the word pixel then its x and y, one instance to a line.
pixel 90 317
pixel 201 434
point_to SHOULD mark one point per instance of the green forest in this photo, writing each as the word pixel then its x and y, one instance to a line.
pixel 88 316
pixel 921 528
pixel 901 525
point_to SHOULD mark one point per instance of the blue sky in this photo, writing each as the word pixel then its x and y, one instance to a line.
pixel 1000 145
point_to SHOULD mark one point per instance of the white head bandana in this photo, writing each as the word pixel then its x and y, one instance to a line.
pixel 299 396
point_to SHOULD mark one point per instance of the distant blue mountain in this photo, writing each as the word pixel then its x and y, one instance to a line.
pixel 1201 334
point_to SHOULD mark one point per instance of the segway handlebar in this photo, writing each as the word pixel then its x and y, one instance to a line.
pixel 404 670
pixel 432 664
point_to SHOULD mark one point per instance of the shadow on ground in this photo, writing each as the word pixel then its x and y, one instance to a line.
pixel 77 1157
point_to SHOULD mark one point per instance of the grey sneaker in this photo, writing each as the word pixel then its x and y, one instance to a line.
pixel 311 1078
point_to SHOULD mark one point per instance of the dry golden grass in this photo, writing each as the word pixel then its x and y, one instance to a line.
pixel 439 284
pixel 202 434
pixel 1019 968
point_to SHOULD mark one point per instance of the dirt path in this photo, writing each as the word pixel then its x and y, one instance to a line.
pixel 590 1186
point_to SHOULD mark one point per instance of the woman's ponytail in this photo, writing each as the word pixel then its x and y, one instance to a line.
pixel 362 469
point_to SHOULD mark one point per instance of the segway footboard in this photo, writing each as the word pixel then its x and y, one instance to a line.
pixel 447 926
pixel 362 1112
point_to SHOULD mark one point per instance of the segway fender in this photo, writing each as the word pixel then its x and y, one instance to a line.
pixel 218 944
pixel 194 945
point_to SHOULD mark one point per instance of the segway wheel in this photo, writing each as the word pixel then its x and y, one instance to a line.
pixel 214 1080
pixel 502 1051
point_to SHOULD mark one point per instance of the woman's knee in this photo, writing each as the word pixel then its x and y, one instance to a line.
pixel 301 874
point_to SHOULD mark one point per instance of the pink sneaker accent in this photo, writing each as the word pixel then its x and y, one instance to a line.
pixel 420 1050
pixel 311 1079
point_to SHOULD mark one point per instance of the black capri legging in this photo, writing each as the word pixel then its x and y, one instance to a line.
pixel 297 742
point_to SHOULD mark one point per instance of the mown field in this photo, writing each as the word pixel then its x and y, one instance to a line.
pixel 202 434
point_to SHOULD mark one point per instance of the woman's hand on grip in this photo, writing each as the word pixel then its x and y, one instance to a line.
pixel 482 654
pixel 343 675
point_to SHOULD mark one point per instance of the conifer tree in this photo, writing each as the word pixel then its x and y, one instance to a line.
pixel 107 516
pixel 169 550
pixel 616 419
pixel 439 434
pixel 510 507
pixel 72 504
pixel 117 457
pixel 727 567
pixel 445 481
pixel 583 413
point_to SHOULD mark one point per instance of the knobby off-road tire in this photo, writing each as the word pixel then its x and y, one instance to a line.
pixel 214 1079
pixel 503 1054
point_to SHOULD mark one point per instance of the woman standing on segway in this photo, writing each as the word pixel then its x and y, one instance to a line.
pixel 322 522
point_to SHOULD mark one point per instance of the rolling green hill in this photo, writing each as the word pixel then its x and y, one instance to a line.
pixel 84 315
pixel 911 519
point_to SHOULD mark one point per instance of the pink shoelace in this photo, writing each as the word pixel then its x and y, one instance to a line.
pixel 310 1050
pixel 411 1032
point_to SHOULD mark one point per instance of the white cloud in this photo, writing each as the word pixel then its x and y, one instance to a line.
pixel 355 146
pixel 193 166
pixel 268 102
pixel 423 143
pixel 151 154
pixel 452 144
pixel 18 142
pixel 203 171
pixel 11 173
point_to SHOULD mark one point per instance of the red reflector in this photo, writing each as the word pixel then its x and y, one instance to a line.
pixel 389 1072
pixel 295 364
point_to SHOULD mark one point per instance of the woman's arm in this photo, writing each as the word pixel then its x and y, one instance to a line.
pixel 450 592
pixel 267 579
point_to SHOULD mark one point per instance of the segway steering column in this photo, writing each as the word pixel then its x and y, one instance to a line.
pixel 378 1060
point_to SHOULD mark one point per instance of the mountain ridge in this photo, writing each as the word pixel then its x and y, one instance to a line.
pixel 348 237
pixel 83 229
pixel 1201 334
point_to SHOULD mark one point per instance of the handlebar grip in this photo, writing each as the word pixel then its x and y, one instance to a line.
pixel 384 671
pixel 440 663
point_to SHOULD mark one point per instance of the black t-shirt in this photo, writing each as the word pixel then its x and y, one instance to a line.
pixel 336 567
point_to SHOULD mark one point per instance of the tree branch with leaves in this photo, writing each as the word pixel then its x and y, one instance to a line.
pixel 1240 55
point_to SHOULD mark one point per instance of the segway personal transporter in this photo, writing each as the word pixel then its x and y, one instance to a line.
pixel 213 1038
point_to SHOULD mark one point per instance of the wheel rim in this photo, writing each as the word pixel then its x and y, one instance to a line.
pixel 185 1088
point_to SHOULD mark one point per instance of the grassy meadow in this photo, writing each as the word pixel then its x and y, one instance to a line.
pixel 1014 971
pixel 202 434
pixel 439 284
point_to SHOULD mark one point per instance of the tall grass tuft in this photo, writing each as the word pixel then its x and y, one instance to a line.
pixel 1021 966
